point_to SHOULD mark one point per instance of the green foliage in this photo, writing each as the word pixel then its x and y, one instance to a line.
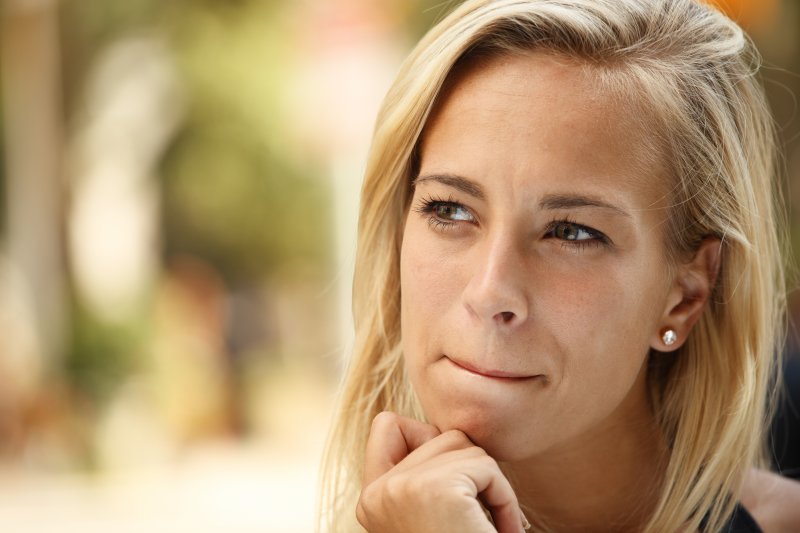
pixel 99 355
pixel 233 194
pixel 232 203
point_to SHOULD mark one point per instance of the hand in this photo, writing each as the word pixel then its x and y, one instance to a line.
pixel 419 480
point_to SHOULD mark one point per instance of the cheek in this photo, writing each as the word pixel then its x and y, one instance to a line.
pixel 429 283
pixel 593 307
pixel 601 321
pixel 607 299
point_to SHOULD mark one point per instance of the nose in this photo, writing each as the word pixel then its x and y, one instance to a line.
pixel 497 290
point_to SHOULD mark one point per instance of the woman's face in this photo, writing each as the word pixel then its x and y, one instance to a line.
pixel 533 268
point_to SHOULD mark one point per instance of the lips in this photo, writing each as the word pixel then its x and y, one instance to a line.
pixel 491 373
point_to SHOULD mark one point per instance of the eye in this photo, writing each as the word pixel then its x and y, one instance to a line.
pixel 573 234
pixel 450 211
pixel 444 214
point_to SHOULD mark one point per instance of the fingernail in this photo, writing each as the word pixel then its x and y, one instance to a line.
pixel 525 524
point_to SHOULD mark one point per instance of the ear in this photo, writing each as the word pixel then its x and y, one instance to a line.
pixel 689 294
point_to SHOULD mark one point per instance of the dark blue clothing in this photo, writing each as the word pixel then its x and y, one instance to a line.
pixel 740 522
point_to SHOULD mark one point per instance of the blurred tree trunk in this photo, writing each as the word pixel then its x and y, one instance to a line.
pixel 33 123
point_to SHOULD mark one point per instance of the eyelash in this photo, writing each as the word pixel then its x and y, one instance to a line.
pixel 598 237
pixel 427 208
pixel 428 205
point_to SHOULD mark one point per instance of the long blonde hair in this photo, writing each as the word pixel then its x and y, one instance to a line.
pixel 694 73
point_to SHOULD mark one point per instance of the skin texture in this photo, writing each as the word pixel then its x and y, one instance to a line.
pixel 534 283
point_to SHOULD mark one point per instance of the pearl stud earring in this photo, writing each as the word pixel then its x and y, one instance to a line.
pixel 669 337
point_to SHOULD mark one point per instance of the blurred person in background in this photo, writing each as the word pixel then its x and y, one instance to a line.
pixel 577 202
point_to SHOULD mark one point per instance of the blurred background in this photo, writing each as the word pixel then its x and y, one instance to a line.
pixel 179 188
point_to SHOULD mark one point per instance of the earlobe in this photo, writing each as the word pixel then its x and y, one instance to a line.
pixel 693 285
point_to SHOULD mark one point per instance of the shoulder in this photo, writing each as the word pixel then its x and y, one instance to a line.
pixel 772 500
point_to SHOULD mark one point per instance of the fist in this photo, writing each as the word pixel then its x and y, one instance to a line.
pixel 417 480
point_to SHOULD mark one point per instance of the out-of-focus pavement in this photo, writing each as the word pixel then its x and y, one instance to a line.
pixel 225 488
pixel 264 484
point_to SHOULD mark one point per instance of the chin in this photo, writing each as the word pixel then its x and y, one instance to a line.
pixel 499 438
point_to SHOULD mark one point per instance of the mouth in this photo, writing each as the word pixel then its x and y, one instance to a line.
pixel 500 375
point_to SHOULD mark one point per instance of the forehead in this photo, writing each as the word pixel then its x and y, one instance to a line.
pixel 543 109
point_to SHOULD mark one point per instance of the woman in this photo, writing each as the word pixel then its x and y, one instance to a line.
pixel 568 288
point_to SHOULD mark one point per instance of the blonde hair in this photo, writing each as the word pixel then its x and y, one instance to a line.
pixel 694 72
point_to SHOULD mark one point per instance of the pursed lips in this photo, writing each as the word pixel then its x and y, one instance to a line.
pixel 491 373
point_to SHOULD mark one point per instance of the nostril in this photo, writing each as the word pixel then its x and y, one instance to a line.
pixel 506 316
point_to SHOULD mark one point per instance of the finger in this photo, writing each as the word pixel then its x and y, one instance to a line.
pixel 479 477
pixel 440 448
pixel 391 439
pixel 496 493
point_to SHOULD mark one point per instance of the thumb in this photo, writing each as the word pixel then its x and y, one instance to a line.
pixel 391 439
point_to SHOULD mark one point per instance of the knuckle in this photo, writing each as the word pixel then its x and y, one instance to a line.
pixel 406 490
pixel 392 496
pixel 397 488
pixel 477 451
pixel 361 514
pixel 478 456
pixel 384 419
pixel 365 507
pixel 488 461
pixel 368 495
pixel 456 437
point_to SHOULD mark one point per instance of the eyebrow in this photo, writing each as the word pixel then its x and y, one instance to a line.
pixel 567 201
pixel 549 202
pixel 457 182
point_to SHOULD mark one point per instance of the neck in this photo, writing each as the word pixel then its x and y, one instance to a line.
pixel 609 479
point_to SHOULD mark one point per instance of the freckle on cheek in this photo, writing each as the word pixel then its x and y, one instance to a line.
pixel 580 299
